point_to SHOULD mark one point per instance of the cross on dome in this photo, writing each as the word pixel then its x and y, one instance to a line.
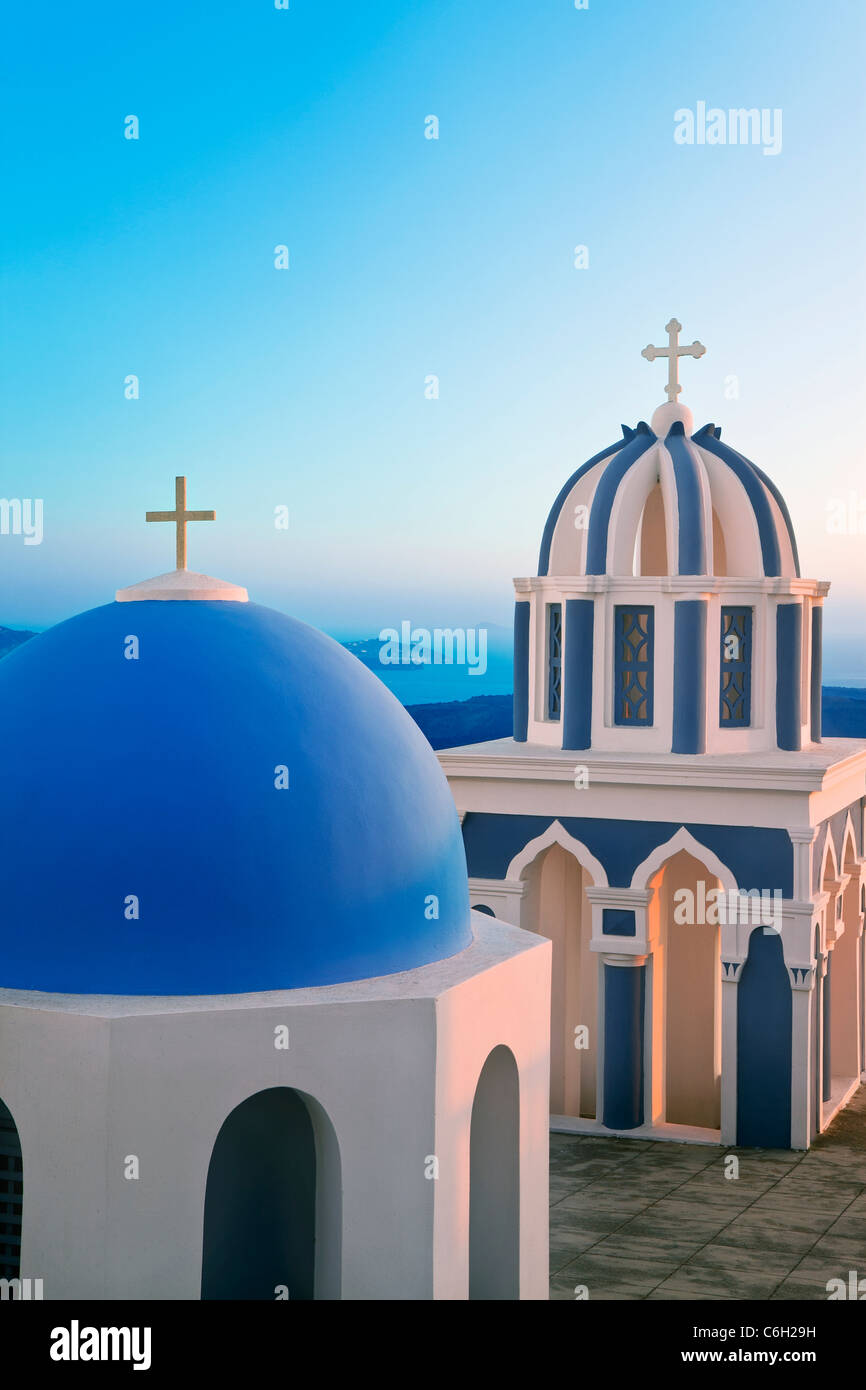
pixel 673 352
pixel 182 583
pixel 180 516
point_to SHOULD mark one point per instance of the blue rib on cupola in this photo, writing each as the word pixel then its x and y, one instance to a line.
pixel 556 509
pixel 602 502
pixel 783 508
pixel 692 540
pixel 753 483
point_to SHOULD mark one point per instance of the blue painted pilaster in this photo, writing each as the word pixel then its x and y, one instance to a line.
pixel 815 700
pixel 521 670
pixel 577 673
pixel 690 676
pixel 624 1002
pixel 789 654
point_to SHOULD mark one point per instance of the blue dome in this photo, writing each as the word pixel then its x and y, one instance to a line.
pixel 156 778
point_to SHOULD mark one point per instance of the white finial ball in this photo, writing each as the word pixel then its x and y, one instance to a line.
pixel 665 416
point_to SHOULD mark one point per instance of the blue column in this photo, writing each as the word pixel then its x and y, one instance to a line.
pixel 577 673
pixel 789 656
pixel 815 700
pixel 690 676
pixel 825 1000
pixel 624 996
pixel 521 670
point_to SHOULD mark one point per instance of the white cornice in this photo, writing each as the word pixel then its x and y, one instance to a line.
pixel 668 771
pixel 670 584
pixel 628 898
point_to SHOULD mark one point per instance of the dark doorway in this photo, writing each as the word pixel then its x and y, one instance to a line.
pixel 494 1181
pixel 261 1201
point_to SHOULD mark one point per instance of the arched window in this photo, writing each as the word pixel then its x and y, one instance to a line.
pixel 482 907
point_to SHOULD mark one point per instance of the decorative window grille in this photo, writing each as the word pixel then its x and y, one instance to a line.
pixel 554 660
pixel 735 684
pixel 633 665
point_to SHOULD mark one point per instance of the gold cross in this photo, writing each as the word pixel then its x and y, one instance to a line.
pixel 180 516
pixel 673 353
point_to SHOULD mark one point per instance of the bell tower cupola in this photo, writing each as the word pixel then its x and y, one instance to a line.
pixel 668 613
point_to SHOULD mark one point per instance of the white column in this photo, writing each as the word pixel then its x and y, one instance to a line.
pixel 731 971
pixel 802 838
pixel 803 982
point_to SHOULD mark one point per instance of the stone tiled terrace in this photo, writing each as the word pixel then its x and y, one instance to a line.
pixel 636 1219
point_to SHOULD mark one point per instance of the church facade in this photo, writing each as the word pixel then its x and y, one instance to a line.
pixel 667 812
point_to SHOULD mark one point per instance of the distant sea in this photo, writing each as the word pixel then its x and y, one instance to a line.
pixel 412 684
pixel 455 705
pixel 432 683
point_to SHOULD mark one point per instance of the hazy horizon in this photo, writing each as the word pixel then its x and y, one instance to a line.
pixel 410 258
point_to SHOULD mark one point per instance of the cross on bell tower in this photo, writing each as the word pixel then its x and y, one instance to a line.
pixel 673 352
pixel 180 516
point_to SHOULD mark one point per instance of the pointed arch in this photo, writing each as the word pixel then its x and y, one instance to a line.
pixel 829 853
pixel 556 834
pixel 846 1023
pixel 686 1003
pixel 850 860
pixel 682 839
pixel 555 868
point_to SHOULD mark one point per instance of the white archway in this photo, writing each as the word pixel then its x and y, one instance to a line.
pixel 682 839
pixel 556 869
pixel 556 834
pixel 829 874
pixel 847 1004
pixel 688 1038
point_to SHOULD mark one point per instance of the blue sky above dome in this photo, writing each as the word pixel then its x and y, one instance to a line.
pixel 410 257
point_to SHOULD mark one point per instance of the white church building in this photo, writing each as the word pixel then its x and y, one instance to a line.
pixel 667 812
pixel 254 1044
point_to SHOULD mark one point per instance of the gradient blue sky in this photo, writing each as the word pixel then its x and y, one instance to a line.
pixel 409 257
